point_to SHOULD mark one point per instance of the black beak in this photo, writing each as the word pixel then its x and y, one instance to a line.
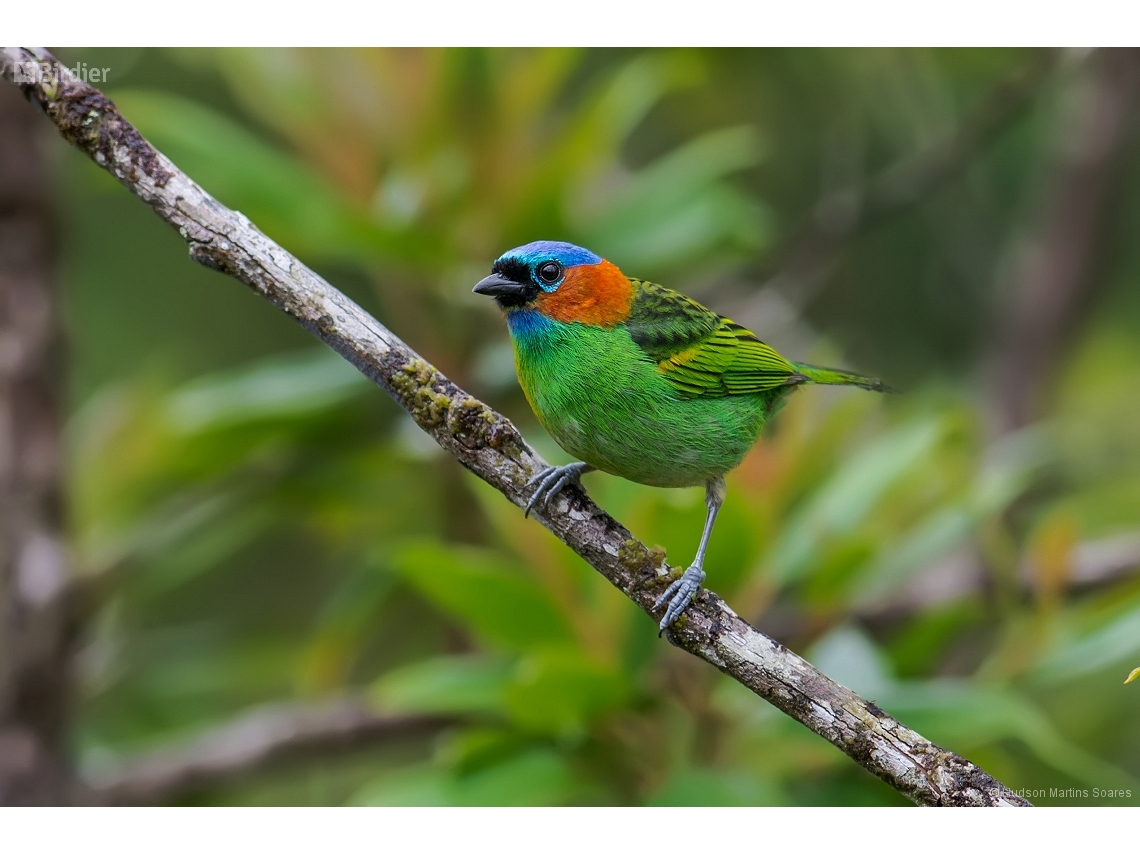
pixel 506 291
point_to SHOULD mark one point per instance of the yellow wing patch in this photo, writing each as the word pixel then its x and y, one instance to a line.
pixel 700 353
pixel 729 361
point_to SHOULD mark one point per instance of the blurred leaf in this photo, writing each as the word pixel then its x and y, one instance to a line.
pixel 717 788
pixel 838 564
pixel 286 386
pixel 560 690
pixel 627 96
pixel 538 777
pixel 956 713
pixel 850 495
pixel 474 683
pixel 934 537
pixel 479 747
pixel 499 604
pixel 1098 650
pixel 675 209
pixel 1132 675
pixel 918 646
pixel 849 657
pixel 345 622
pixel 286 199
pixel 206 548
pixel 416 786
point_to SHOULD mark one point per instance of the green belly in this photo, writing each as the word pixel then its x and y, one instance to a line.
pixel 606 403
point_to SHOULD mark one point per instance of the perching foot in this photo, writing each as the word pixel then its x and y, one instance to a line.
pixel 679 595
pixel 551 481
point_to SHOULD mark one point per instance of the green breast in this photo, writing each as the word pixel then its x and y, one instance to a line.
pixel 605 402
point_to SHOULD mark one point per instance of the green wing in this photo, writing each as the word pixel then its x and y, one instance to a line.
pixel 702 354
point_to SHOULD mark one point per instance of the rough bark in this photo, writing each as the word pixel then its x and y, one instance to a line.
pixel 489 445
pixel 35 620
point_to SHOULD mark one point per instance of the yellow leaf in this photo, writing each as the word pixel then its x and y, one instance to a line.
pixel 1135 673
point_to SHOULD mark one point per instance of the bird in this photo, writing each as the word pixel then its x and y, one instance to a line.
pixel 639 381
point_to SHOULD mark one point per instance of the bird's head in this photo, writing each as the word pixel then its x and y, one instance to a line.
pixel 560 281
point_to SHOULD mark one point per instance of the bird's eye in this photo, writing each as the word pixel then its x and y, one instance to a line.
pixel 549 272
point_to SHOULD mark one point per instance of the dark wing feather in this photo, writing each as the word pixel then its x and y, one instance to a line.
pixel 698 351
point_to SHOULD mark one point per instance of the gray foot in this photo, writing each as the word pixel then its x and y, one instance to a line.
pixel 551 481
pixel 679 595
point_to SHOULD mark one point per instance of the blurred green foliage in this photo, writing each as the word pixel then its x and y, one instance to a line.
pixel 269 526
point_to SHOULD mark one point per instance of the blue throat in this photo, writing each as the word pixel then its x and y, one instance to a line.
pixel 532 332
pixel 529 325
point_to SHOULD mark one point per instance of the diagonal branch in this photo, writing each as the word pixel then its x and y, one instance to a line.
pixel 490 446
pixel 254 741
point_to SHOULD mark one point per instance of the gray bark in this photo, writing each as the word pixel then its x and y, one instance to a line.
pixel 490 446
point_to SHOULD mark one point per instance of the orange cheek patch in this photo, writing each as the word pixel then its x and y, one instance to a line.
pixel 597 294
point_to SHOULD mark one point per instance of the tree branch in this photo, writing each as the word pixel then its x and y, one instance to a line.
pixel 252 742
pixel 490 446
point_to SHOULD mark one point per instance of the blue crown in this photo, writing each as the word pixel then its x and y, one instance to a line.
pixel 566 254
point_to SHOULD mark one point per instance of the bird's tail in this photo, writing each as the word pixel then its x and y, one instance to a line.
pixel 835 377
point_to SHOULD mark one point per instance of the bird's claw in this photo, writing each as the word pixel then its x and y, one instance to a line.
pixel 679 594
pixel 550 483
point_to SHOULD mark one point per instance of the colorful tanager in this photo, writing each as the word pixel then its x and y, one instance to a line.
pixel 639 381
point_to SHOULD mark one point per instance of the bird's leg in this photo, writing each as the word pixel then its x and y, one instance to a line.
pixel 681 592
pixel 551 481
